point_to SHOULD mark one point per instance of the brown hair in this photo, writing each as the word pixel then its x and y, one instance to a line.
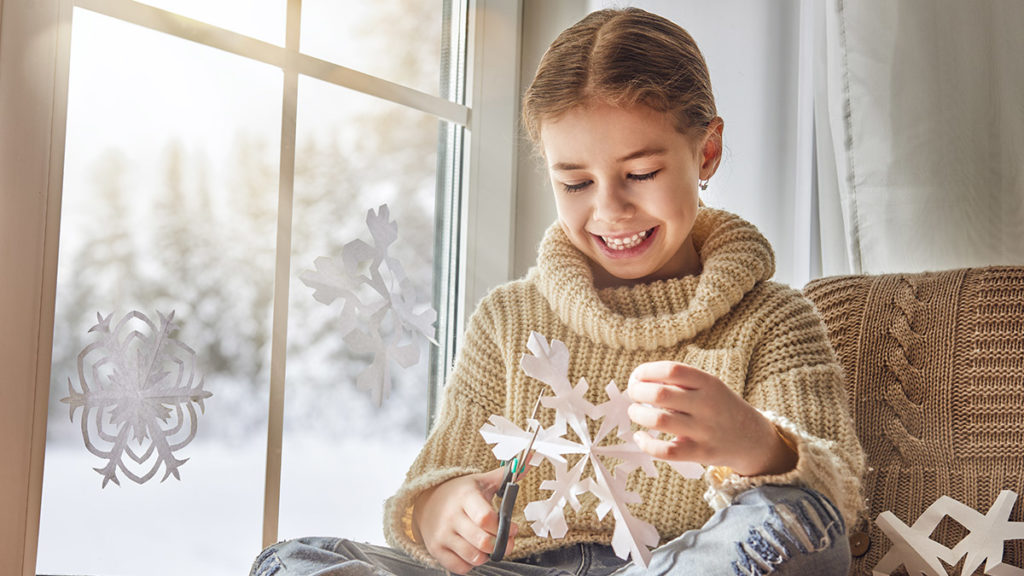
pixel 622 57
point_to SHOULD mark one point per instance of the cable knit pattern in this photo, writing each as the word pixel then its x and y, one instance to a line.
pixel 906 393
pixel 762 339
pixel 935 378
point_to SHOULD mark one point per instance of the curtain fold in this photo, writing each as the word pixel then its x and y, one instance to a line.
pixel 919 121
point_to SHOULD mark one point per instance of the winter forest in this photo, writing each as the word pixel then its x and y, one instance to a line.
pixel 170 204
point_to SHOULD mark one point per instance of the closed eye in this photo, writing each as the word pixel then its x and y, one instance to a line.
pixel 570 188
pixel 643 177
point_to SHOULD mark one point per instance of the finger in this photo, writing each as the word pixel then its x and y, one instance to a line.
pixel 481 513
pixel 674 449
pixel 669 372
pixel 510 541
pixel 452 561
pixel 490 482
pixel 667 421
pixel 468 551
pixel 661 395
pixel 476 536
pixel 513 530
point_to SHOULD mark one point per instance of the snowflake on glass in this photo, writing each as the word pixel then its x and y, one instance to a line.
pixel 611 463
pixel 913 547
pixel 377 295
pixel 139 389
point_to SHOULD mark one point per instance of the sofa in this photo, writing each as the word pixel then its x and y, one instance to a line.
pixel 934 366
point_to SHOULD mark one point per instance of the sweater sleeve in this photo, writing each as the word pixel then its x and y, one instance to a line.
pixel 795 380
pixel 454 447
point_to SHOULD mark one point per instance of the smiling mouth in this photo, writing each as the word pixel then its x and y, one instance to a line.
pixel 627 242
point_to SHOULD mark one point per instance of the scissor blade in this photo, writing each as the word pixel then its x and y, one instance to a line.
pixel 526 455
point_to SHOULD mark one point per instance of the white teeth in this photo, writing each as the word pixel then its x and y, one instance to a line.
pixel 625 243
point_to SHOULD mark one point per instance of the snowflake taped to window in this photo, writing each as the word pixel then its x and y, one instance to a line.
pixel 550 364
pixel 139 392
pixel 913 547
pixel 376 295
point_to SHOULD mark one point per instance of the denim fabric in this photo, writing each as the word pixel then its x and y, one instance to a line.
pixel 777 530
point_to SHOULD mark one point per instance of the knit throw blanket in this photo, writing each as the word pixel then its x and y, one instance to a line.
pixel 934 367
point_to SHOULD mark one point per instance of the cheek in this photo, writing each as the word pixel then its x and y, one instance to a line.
pixel 561 204
pixel 681 199
pixel 566 229
pixel 572 215
pixel 576 234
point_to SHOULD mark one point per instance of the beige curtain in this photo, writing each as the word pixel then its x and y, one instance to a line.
pixel 919 116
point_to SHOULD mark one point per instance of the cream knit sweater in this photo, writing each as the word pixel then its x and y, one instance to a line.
pixel 762 339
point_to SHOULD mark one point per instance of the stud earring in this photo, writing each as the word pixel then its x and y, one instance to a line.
pixel 703 184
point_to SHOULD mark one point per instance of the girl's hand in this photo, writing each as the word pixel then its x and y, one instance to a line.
pixel 457 523
pixel 710 423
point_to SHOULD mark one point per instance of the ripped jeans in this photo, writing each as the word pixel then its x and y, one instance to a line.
pixel 778 530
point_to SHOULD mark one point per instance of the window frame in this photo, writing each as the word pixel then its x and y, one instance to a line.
pixel 34 57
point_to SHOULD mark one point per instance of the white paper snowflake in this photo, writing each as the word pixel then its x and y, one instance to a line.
pixel 913 547
pixel 609 463
pixel 378 298
pixel 139 389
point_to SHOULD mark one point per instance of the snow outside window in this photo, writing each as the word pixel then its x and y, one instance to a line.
pixel 214 151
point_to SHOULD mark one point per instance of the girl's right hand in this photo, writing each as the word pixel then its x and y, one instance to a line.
pixel 457 522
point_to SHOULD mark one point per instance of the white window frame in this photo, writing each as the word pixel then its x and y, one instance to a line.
pixel 34 43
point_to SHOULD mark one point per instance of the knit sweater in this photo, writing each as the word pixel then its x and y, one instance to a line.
pixel 762 339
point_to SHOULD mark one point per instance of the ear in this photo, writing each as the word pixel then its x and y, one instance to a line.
pixel 711 150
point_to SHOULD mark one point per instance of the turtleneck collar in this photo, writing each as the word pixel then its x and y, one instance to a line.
pixel 734 254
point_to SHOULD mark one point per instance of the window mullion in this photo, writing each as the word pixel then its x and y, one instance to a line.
pixel 279 339
pixel 451 151
pixel 242 45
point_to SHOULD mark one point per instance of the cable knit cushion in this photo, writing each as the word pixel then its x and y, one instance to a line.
pixel 934 367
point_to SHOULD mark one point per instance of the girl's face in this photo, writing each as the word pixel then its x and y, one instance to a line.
pixel 625 183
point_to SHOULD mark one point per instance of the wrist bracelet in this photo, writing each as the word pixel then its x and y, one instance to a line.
pixel 407 524
pixel 785 439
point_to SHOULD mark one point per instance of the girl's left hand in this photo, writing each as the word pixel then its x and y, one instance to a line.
pixel 711 423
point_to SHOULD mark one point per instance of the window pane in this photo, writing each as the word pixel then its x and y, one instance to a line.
pixel 260 19
pixel 398 40
pixel 169 205
pixel 343 455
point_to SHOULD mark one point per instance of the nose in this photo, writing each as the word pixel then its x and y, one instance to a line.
pixel 612 203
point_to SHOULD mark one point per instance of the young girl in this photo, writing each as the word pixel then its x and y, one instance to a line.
pixel 645 285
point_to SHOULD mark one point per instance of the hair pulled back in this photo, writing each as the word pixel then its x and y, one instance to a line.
pixel 621 57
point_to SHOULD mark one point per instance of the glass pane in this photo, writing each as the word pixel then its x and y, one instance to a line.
pixel 343 454
pixel 398 40
pixel 260 19
pixel 169 205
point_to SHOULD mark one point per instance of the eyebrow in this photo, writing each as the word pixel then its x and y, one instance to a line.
pixel 642 153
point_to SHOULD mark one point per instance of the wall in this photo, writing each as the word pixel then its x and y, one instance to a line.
pixel 535 209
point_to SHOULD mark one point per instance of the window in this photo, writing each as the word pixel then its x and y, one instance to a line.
pixel 209 160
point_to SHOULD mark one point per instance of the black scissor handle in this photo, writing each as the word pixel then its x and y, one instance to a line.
pixel 508 502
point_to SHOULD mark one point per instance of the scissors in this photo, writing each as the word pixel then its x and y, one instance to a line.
pixel 510 489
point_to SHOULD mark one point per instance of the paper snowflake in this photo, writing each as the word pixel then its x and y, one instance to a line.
pixel 913 547
pixel 610 462
pixel 139 392
pixel 378 298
